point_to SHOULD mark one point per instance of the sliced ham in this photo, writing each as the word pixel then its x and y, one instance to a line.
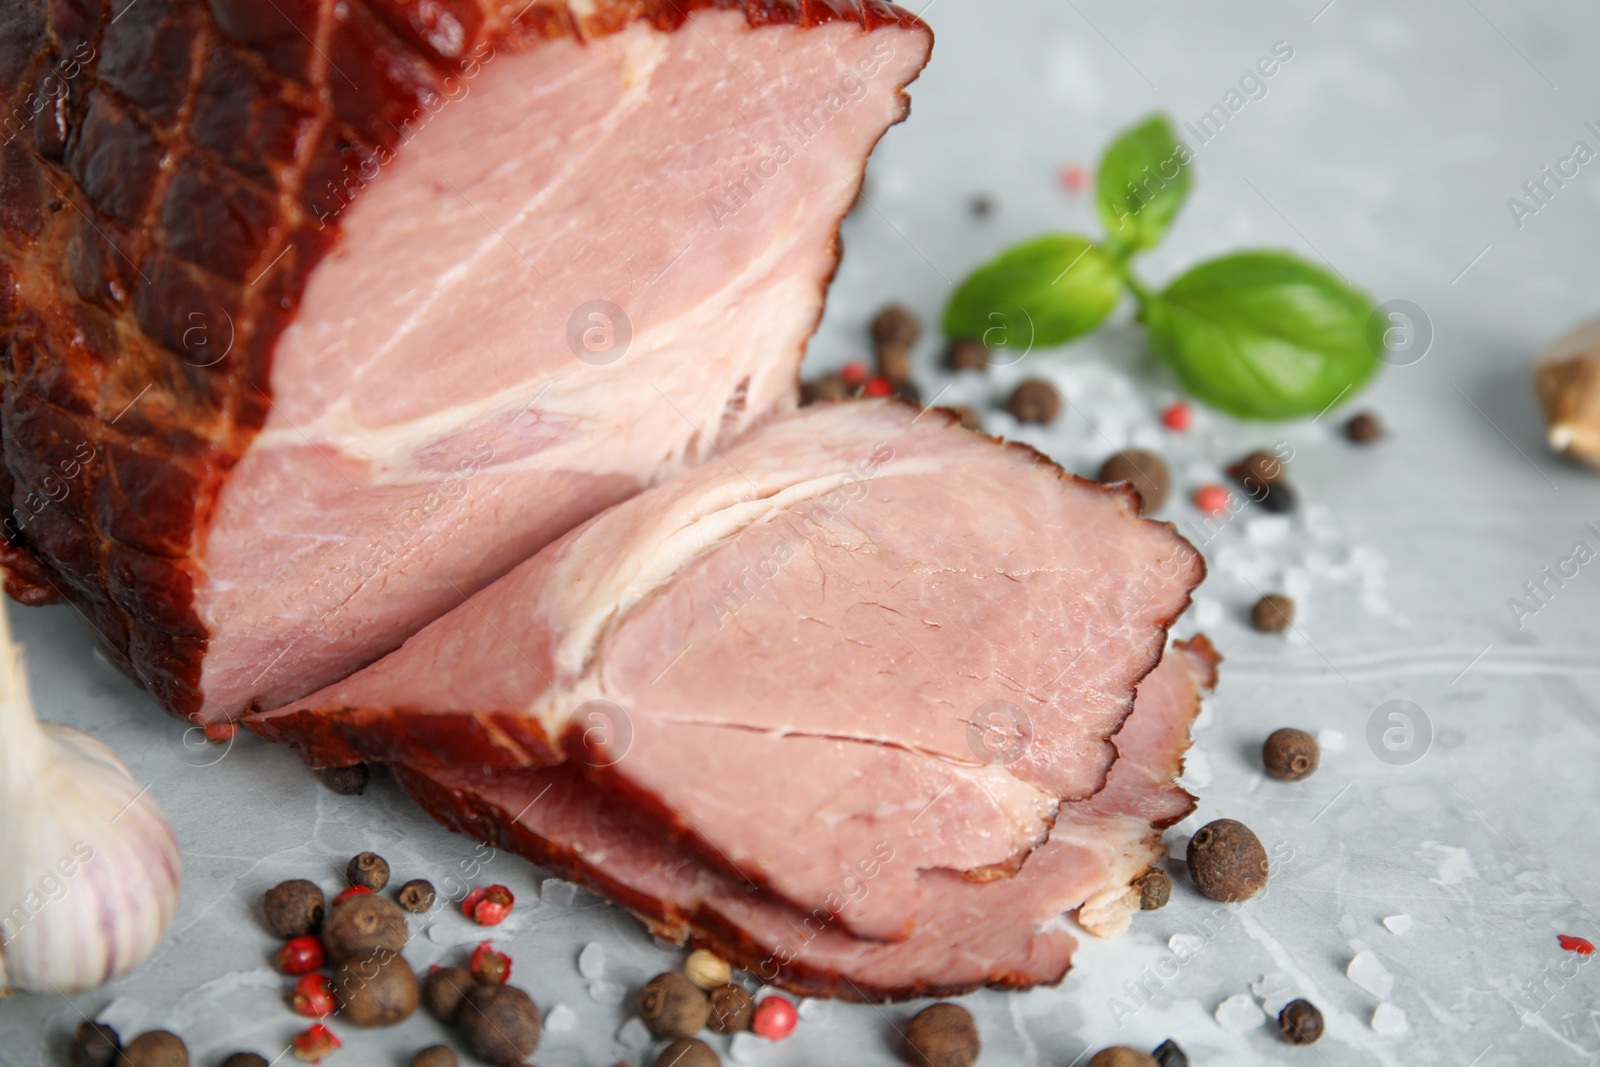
pixel 319 317
pixel 860 625
pixel 1003 933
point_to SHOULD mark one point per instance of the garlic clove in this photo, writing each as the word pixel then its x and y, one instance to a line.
pixel 1567 379
pixel 89 868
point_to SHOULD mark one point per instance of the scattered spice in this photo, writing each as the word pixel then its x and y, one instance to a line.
pixel 1144 470
pixel 1279 499
pixel 488 905
pixel 348 781
pixel 377 990
pixel 245 1059
pixel 968 418
pixel 349 892
pixel 1212 499
pixel 1300 1022
pixel 158 1048
pixel 487 965
pixel 1290 754
pixel 707 969
pixel 1259 468
pixel 316 1043
pixel 1170 1054
pixel 1364 428
pixel 1075 178
pixel 293 908
pixel 855 372
pixel 301 955
pixel 93 1045
pixel 1035 400
pixel 1227 862
pixel 499 1023
pixel 1273 614
pixel 368 869
pixel 894 333
pixel 417 895
pixel 967 353
pixel 673 1006
pixel 827 387
pixel 943 1035
pixel 878 387
pixel 1121 1056
pixel 1579 945
pixel 313 996
pixel 442 990
pixel 982 206
pixel 1178 416
pixel 434 1056
pixel 363 925
pixel 1155 889
pixel 688 1052
pixel 1567 379
pixel 732 1009
pixel 775 1019
pixel 908 392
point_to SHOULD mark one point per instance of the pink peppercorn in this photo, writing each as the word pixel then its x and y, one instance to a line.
pixel 301 955
pixel 1212 499
pixel 879 387
pixel 313 996
pixel 315 1043
pixel 488 905
pixel 775 1019
pixel 1075 178
pixel 353 891
pixel 854 373
pixel 1178 416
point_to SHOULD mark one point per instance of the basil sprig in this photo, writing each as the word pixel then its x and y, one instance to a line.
pixel 1261 335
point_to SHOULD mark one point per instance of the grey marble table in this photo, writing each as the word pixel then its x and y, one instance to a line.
pixel 1387 147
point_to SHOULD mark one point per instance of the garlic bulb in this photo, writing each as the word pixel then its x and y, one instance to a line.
pixel 89 869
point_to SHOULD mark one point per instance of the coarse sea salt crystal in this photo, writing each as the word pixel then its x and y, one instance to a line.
pixel 1275 990
pixel 1239 1013
pixel 558 892
pixel 1196 770
pixel 1185 944
pixel 812 1008
pixel 1268 530
pixel 1330 740
pixel 1398 924
pixel 634 1033
pixel 1367 972
pixel 592 960
pixel 560 1019
pixel 607 993
pixel 747 1047
pixel 124 1015
pixel 1207 612
pixel 1390 1020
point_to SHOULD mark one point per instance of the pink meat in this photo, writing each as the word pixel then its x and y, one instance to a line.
pixel 1001 933
pixel 862 624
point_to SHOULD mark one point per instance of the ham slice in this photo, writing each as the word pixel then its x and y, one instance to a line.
pixel 319 317
pixel 860 625
pixel 1001 933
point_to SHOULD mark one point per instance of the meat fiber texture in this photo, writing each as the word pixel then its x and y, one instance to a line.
pixel 319 317
pixel 861 627
pixel 1005 933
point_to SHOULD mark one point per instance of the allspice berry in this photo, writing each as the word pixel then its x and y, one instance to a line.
pixel 346 781
pixel 434 1056
pixel 442 990
pixel 1121 1056
pixel 688 1052
pixel 732 1009
pixel 966 353
pixel 1273 614
pixel 499 1023
pixel 673 1006
pixel 1145 471
pixel 376 990
pixel 896 326
pixel 1037 401
pixel 1290 754
pixel 293 908
pixel 1259 469
pixel 1300 1022
pixel 942 1036
pixel 827 387
pixel 363 925
pixel 158 1048
pixel 368 869
pixel 1364 428
pixel 1227 862
pixel 417 895
pixel 1155 889
pixel 94 1045
pixel 245 1059
pixel 968 417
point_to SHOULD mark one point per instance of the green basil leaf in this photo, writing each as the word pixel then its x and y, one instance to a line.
pixel 1042 292
pixel 1264 335
pixel 1144 178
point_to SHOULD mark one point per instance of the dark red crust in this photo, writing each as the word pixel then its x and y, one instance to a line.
pixel 168 181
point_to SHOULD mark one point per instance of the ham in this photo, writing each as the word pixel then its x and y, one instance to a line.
pixel 1004 933
pixel 320 317
pixel 862 624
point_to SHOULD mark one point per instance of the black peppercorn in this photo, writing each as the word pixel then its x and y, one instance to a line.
pixel 732 1009
pixel 1273 614
pixel 673 1006
pixel 687 1052
pixel 943 1035
pixel 245 1059
pixel 1155 889
pixel 1278 499
pixel 158 1048
pixel 434 1056
pixel 368 869
pixel 293 908
pixel 363 925
pixel 94 1045
pixel 346 781
pixel 1035 400
pixel 1227 862
pixel 1290 754
pixel 417 895
pixel 1300 1022
pixel 499 1023
pixel 1170 1054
